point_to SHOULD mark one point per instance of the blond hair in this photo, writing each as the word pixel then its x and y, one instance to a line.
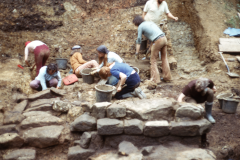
pixel 104 72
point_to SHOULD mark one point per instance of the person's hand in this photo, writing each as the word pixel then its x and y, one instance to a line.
pixel 176 18
pixel 119 89
pixel 93 72
pixel 57 87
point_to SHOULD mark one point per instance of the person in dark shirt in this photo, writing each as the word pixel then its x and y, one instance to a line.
pixel 199 91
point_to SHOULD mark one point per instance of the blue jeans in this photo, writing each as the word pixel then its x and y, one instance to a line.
pixel 112 80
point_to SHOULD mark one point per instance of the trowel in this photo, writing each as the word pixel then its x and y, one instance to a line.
pixel 233 75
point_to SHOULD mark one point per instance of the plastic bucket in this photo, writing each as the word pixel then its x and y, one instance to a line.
pixel 220 98
pixel 136 69
pixel 230 105
pixel 62 63
pixel 87 77
pixel 104 92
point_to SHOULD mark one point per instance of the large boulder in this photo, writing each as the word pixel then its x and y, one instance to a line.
pixel 42 94
pixel 150 109
pixel 156 128
pixel 40 120
pixel 96 141
pixel 190 128
pixel 10 140
pixel 8 129
pixel 20 154
pixel 116 111
pixel 108 126
pixel 84 123
pixel 86 106
pixel 133 126
pixel 188 112
pixel 99 109
pixel 43 136
pixel 78 153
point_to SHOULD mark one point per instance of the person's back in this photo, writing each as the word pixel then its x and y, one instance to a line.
pixel 150 30
pixel 76 60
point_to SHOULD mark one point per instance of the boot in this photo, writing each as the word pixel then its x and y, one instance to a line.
pixel 208 109
pixel 138 93
pixel 127 95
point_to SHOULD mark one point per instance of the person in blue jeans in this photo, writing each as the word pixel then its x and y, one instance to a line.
pixel 126 76
pixel 105 57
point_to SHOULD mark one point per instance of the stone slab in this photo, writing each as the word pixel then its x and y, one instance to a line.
pixel 21 106
pixel 99 109
pixel 41 102
pixel 36 113
pixel 78 153
pixel 60 92
pixel 96 141
pixel 126 148
pixel 10 140
pixel 156 128
pixel 133 126
pixel 40 95
pixel 86 106
pixel 43 137
pixel 85 140
pixel 40 121
pixel 44 107
pixel 116 111
pixel 8 129
pixel 108 126
pixel 84 123
pixel 20 154
pixel 12 117
pixel 154 109
pixel 190 128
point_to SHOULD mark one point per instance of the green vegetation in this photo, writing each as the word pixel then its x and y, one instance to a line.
pixel 233 22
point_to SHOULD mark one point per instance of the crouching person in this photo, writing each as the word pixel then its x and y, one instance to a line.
pixel 129 80
pixel 199 91
pixel 48 76
pixel 78 63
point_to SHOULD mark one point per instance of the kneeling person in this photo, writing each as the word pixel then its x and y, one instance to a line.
pixel 48 76
pixel 199 91
pixel 127 76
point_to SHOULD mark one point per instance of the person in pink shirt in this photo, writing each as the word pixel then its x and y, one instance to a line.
pixel 41 53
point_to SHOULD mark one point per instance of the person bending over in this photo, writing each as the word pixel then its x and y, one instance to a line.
pixel 105 57
pixel 127 77
pixel 41 53
pixel 48 76
pixel 199 91
pixel 77 62
pixel 159 43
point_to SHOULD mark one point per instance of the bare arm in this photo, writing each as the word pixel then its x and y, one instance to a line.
pixel 123 78
pixel 137 48
pixel 172 17
pixel 180 98
pixel 144 14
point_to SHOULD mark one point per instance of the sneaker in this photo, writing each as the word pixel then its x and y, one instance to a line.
pixel 139 93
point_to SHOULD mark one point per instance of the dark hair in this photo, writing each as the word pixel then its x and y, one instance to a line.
pixel 52 67
pixel 138 20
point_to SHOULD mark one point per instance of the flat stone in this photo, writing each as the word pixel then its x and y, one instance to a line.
pixel 99 109
pixel 197 153
pixel 12 117
pixel 40 95
pixel 36 113
pixel 147 150
pixel 61 106
pixel 78 153
pixel 77 142
pixel 84 123
pixel 238 58
pixel 190 128
pixel 21 106
pixel 107 126
pixel 43 137
pixel 150 109
pixel 60 92
pixel 77 103
pixel 85 140
pixel 86 106
pixel 8 129
pixel 125 148
pixel 156 128
pixel 40 121
pixel 133 126
pixel 231 59
pixel 10 140
pixel 41 102
pixel 189 111
pixel 44 107
pixel 96 141
pixel 20 154
pixel 112 155
pixel 19 97
pixel 116 111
